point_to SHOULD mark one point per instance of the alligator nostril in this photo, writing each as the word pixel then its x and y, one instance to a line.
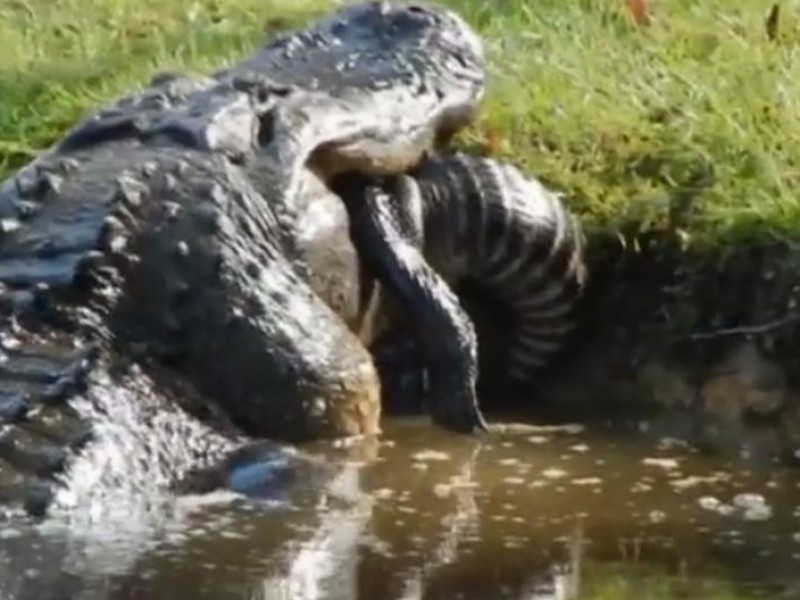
pixel 266 129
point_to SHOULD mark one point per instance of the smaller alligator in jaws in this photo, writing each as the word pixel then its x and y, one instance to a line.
pixel 456 219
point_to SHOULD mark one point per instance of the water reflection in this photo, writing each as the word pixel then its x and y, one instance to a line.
pixel 546 514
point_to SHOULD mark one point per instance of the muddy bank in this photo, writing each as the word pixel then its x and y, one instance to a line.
pixel 704 343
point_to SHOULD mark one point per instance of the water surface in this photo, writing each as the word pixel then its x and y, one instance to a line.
pixel 575 511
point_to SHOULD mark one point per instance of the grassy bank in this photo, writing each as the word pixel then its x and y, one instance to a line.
pixel 688 124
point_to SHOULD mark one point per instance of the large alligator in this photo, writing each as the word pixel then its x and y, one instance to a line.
pixel 179 254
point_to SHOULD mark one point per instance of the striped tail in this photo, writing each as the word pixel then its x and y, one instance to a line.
pixel 487 222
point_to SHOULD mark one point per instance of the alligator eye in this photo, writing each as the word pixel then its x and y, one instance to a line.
pixel 266 128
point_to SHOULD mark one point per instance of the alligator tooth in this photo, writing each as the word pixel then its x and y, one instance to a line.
pixel 124 216
pixel 125 260
pixel 113 224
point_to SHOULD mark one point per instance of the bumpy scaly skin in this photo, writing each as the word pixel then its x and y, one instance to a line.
pixel 181 274
pixel 171 231
pixel 455 219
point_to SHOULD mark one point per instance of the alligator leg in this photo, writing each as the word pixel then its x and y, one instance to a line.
pixel 387 229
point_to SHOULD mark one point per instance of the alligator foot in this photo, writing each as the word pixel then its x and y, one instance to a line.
pixel 387 230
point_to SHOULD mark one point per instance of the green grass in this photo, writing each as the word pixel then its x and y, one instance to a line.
pixel 689 125
pixel 648 581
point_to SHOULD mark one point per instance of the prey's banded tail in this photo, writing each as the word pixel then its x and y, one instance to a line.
pixel 486 221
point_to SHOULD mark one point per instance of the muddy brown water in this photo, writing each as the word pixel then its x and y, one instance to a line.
pixel 552 512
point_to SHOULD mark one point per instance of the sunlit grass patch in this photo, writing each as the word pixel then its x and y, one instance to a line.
pixel 689 124
pixel 643 581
